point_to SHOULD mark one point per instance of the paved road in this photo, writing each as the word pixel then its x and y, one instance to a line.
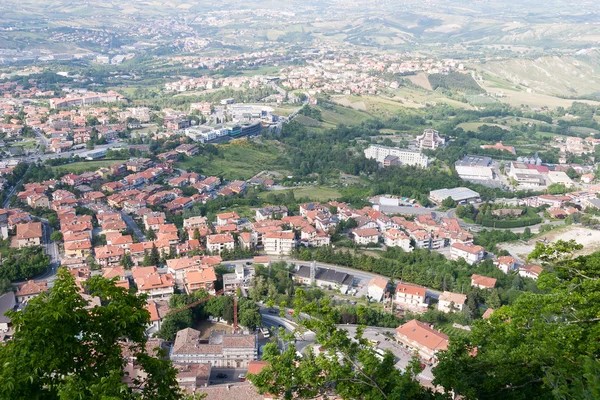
pixel 131 224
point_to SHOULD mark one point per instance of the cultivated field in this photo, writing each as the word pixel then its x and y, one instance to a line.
pixel 85 166
pixel 319 193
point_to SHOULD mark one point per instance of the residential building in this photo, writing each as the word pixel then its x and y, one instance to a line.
pixel 422 338
pixel 8 302
pixel 482 282
pixel 29 290
pixel 505 264
pixel 29 234
pixel 377 288
pixel 220 242
pixel 279 242
pixel 450 302
pixel 203 278
pixel 365 236
pixel 471 253
pixel 221 350
pixel 155 285
pixel 532 271
pixel 271 212
pixel 397 238
pixel 411 296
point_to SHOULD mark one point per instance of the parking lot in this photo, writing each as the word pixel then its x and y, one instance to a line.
pixel 231 373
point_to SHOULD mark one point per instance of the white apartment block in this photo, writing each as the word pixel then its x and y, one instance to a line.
pixel 405 157
pixel 470 252
pixel 279 243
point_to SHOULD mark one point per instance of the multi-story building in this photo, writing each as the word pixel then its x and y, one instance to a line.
pixel 430 139
pixel 221 350
pixel 411 296
pixel 450 302
pixel 470 252
pixel 404 156
pixel 397 238
pixel 365 236
pixel 422 338
pixel 218 243
pixel 29 234
pixel 279 242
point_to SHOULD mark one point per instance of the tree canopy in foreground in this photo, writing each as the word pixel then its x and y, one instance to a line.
pixel 65 348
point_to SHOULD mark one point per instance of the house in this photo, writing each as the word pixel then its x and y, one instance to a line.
pixel 189 150
pixel 222 350
pixel 30 289
pixel 365 236
pixel 377 288
pixel 505 263
pixel 227 218
pixel 191 377
pixel 155 285
pixel 79 249
pixel 248 240
pixel 411 296
pixel 218 243
pixel 279 242
pixel 482 282
pixel 109 255
pixel 450 302
pixel 38 201
pixel 203 278
pixel 271 212
pixel 422 338
pixel 532 271
pixel 397 238
pixel 469 252
pixel 588 178
pixel 488 313
pixel 240 278
pixel 29 234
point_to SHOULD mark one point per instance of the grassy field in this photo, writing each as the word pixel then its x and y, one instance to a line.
pixel 451 331
pixel 85 166
pixel 240 160
pixel 318 193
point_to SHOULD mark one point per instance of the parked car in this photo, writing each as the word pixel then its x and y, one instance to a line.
pixel 221 375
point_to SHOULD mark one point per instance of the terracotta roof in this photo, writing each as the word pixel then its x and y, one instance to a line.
pixel 31 287
pixel 409 288
pixel 483 281
pixel 280 235
pixel 255 366
pixel 29 231
pixel 222 238
pixel 200 276
pixel 488 313
pixel 379 282
pixel 456 298
pixel 423 334
pixel 367 232
pixel 467 248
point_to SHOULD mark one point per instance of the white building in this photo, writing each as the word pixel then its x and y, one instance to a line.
pixel 405 157
pixel 396 238
pixel 376 288
pixel 450 302
pixel 475 168
pixel 220 242
pixel 471 253
pixel 430 139
pixel 222 350
pixel 530 271
pixel 411 296
pixel 279 242
pixel 365 236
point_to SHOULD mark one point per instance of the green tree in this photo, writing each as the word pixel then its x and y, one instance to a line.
pixel 126 261
pixel 150 234
pixel 56 236
pixel 448 202
pixel 348 366
pixel 61 349
pixel 544 345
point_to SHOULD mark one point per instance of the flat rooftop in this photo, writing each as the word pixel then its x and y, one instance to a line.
pixel 474 161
